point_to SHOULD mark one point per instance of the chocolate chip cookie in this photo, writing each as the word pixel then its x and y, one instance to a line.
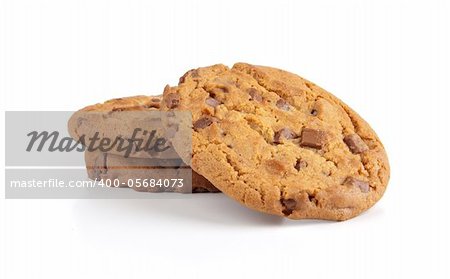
pixel 103 118
pixel 278 143
pixel 118 119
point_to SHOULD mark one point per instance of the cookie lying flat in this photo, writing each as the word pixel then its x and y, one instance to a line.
pixel 101 165
pixel 278 143
pixel 86 121
pixel 119 118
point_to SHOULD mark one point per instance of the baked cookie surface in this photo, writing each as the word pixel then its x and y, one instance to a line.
pixel 90 118
pixel 113 165
pixel 278 143
pixel 120 117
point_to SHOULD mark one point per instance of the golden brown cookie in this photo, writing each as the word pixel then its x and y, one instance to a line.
pixel 119 118
pixel 113 165
pixel 105 118
pixel 280 144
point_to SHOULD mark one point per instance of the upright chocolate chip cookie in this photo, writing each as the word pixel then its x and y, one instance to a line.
pixel 278 143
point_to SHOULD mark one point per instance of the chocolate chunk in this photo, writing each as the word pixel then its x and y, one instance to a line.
pixel 212 102
pixel 183 78
pixel 313 138
pixel 284 133
pixel 312 198
pixel 362 185
pixel 172 100
pixel 192 72
pixel 195 73
pixel 301 164
pixel 355 144
pixel 289 206
pixel 282 104
pixel 254 95
pixel 203 122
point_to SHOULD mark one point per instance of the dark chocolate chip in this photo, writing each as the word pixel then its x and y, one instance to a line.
pixel 254 95
pixel 313 138
pixel 355 144
pixel 282 104
pixel 312 199
pixel 314 112
pixel 289 206
pixel 172 100
pixel 300 164
pixel 203 122
pixel 212 102
pixel 284 133
pixel 362 185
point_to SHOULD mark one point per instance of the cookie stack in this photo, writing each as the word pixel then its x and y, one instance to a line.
pixel 272 141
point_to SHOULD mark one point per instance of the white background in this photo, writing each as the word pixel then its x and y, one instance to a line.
pixel 389 60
